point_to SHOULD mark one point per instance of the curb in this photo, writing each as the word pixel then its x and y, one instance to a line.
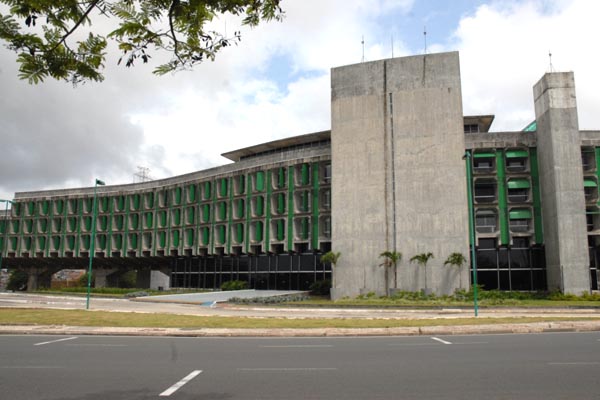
pixel 539 327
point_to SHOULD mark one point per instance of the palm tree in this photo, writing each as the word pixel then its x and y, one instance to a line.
pixel 331 258
pixel 457 260
pixel 391 259
pixel 423 259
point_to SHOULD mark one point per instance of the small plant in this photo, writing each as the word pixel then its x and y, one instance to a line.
pixel 83 280
pixel 331 258
pixel 321 288
pixel 456 260
pixel 422 259
pixel 234 285
pixel 391 259
pixel 17 280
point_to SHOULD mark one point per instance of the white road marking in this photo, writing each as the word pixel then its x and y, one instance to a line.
pixel 304 346
pixel 30 367
pixel 285 369
pixel 441 340
pixel 179 384
pixel 575 363
pixel 55 341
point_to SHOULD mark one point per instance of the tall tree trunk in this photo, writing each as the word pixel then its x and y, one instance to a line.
pixel 395 277
pixel 387 286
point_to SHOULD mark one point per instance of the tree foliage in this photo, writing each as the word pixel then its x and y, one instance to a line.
pixel 391 259
pixel 54 38
pixel 330 258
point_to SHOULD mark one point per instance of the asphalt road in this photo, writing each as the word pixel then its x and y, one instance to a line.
pixel 540 366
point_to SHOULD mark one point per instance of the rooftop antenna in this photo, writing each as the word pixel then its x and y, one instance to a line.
pixel 143 175
pixel 392 45
pixel 363 48
pixel 550 58
pixel 425 38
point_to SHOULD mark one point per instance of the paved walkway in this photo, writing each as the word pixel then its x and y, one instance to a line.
pixel 209 298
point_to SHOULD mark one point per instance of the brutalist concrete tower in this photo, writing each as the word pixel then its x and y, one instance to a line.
pixel 561 181
pixel 399 180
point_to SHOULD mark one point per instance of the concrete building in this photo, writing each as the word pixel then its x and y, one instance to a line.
pixel 389 176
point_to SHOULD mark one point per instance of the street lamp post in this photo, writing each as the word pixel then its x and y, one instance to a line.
pixel 467 158
pixel 5 228
pixel 92 243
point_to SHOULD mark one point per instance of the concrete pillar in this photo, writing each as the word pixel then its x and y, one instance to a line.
pixel 561 183
pixel 100 276
pixel 399 181
pixel 154 279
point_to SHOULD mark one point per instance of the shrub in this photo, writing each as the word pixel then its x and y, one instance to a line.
pixel 234 285
pixel 17 280
pixel 83 280
pixel 321 288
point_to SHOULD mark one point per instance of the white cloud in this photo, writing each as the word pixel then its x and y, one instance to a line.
pixel 504 52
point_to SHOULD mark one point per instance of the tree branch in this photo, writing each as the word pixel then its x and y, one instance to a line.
pixel 79 22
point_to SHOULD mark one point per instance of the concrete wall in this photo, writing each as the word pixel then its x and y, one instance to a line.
pixel 398 176
pixel 561 182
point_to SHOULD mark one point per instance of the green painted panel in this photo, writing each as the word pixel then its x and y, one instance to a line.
pixel 119 222
pixel 72 224
pixel 28 226
pixel 177 196
pixel 15 226
pixel 304 229
pixel 149 220
pixel 280 203
pixel 532 127
pixel 260 181
pixel 206 194
pixel 305 174
pixel 70 242
pixel 280 234
pixel 221 232
pixel 30 207
pixel 260 206
pixel 239 233
pixel 259 231
pixel 206 213
pixel 27 243
pixel 87 223
pixel 149 200
pixel 43 225
pixel 162 218
pixel 175 238
pixel 103 222
pixel 281 178
pixel 133 240
pixel 120 203
pixel 162 239
pixel 519 184
pixel 223 187
pixel 517 154
pixel 189 233
pixel 136 202
pixel 589 183
pixel 205 235
pixel 104 204
pixel 222 211
pixel 176 217
pixel 41 243
pixel 240 208
pixel 101 242
pixel 60 206
pixel 56 242
pixel 13 244
pixel 85 242
pixel 304 201
pixel 191 193
pixel 45 207
pixel 135 220
pixel 520 214
pixel 2 228
pixel 484 155
pixel 190 215
pixel 241 184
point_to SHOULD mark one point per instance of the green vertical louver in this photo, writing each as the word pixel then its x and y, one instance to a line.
pixel 304 174
pixel 260 181
pixel 280 224
pixel 537 198
pixel 223 187
pixel 502 202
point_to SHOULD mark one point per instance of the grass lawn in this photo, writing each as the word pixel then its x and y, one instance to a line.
pixel 13 316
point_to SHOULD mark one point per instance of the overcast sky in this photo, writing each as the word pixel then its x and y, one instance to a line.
pixel 275 84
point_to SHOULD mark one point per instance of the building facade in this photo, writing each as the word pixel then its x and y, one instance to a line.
pixel 391 175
